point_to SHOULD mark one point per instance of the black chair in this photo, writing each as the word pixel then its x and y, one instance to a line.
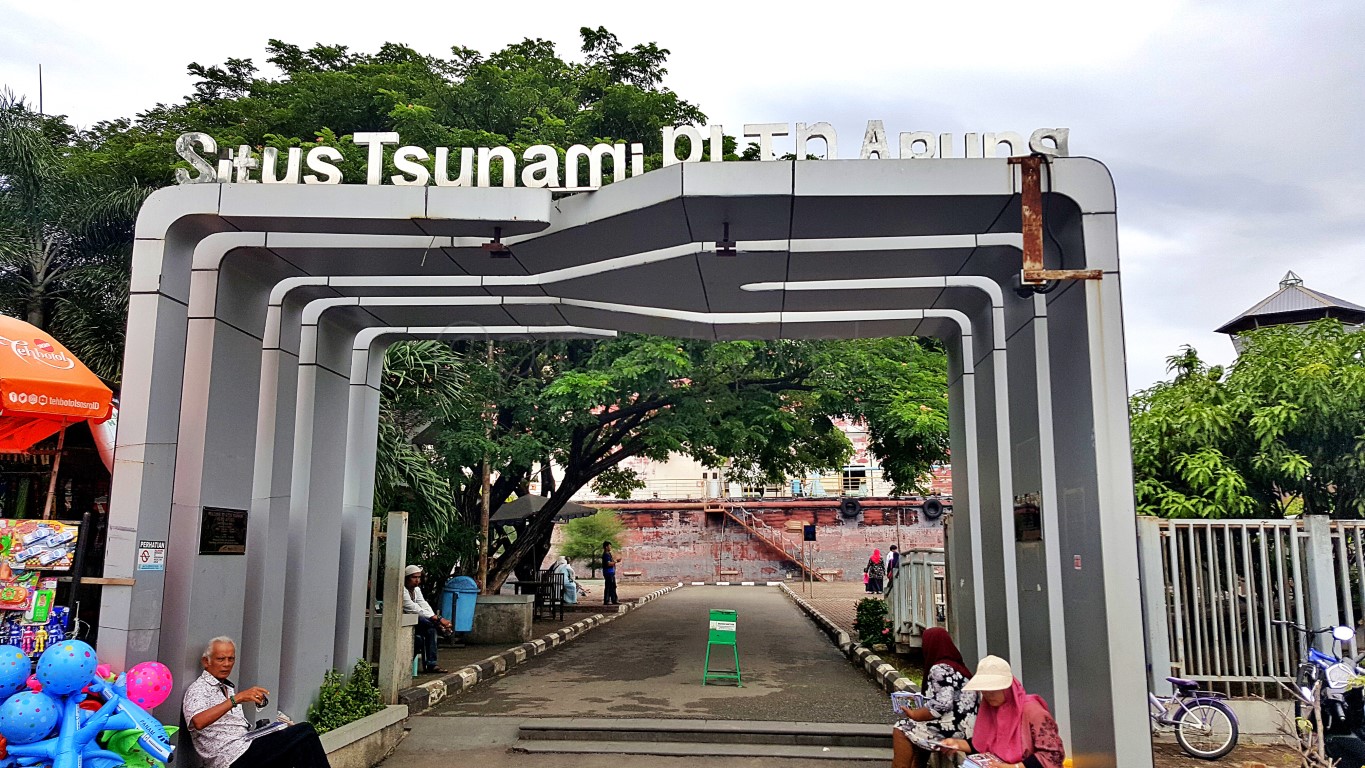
pixel 550 594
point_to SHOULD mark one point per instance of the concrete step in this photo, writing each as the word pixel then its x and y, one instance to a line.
pixel 713 732
pixel 844 755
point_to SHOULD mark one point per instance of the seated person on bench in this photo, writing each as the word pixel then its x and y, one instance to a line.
pixel 218 727
pixel 571 586
pixel 429 625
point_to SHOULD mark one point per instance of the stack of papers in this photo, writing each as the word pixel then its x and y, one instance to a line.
pixel 257 733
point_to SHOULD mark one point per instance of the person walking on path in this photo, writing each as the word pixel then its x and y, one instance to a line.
pixel 946 710
pixel 876 571
pixel 609 562
pixel 1014 726
pixel 893 563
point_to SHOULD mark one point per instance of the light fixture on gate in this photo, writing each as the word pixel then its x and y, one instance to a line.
pixel 496 248
pixel 725 246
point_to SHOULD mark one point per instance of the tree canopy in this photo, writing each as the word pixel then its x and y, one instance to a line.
pixel 65 240
pixel 523 95
pixel 1281 430
pixel 764 409
pixel 583 536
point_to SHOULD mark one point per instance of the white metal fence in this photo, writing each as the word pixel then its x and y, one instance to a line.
pixel 1213 590
pixel 917 599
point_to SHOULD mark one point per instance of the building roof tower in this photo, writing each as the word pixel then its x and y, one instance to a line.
pixel 1293 304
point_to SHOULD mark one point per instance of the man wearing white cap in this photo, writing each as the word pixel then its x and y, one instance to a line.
pixel 429 624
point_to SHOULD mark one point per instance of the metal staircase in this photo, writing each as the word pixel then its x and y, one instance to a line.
pixel 777 540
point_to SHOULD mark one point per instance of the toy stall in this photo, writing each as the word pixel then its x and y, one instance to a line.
pixel 32 555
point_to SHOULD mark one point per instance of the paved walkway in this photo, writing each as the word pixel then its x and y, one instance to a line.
pixel 837 600
pixel 454 657
pixel 649 664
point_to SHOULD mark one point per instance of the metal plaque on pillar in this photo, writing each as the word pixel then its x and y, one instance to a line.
pixel 1028 517
pixel 222 531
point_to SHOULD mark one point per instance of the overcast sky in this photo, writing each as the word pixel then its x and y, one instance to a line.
pixel 1227 125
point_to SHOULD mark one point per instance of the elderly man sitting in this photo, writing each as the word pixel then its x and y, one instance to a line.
pixel 429 623
pixel 219 729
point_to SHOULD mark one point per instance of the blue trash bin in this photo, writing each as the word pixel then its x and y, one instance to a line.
pixel 457 602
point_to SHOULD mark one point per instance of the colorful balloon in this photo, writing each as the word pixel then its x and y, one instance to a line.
pixel 28 716
pixel 14 670
pixel 149 683
pixel 67 667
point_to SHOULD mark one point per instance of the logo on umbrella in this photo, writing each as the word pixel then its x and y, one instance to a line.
pixel 40 351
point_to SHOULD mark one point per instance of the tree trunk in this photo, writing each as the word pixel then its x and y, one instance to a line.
pixel 533 541
pixel 547 479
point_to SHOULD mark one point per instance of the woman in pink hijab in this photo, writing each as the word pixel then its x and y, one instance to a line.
pixel 876 571
pixel 1012 726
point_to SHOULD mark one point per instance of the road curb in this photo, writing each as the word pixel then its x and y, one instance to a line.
pixel 422 697
pixel 882 673
pixel 732 583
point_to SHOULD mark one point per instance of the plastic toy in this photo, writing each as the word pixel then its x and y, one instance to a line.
pixel 58 725
pixel 27 717
pixel 74 746
pixel 14 670
pixel 154 739
pixel 125 745
pixel 67 667
pixel 148 684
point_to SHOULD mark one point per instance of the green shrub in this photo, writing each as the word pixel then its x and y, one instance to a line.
pixel 341 701
pixel 871 623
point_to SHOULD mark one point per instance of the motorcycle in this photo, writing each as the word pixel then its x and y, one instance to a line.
pixel 1321 683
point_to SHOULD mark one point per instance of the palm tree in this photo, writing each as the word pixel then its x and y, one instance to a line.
pixel 424 384
pixel 65 238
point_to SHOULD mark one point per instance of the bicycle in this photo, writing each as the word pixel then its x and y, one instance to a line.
pixel 1205 727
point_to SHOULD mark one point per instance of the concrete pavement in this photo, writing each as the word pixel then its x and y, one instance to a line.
pixel 649 664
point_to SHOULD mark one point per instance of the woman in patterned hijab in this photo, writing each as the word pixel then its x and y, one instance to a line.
pixel 946 711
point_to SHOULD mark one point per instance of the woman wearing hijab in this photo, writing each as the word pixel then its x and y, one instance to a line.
pixel 571 586
pixel 1014 727
pixel 947 711
pixel 876 571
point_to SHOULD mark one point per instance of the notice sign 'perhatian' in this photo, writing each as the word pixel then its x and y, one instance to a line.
pixel 151 555
pixel 549 167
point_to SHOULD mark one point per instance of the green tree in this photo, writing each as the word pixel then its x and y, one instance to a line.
pixel 765 408
pixel 65 238
pixel 899 387
pixel 1282 428
pixel 424 384
pixel 522 95
pixel 583 537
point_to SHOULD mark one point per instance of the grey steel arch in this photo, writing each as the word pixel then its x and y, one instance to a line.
pixel 224 275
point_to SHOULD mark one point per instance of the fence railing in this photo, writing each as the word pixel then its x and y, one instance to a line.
pixel 917 599
pixel 1212 591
